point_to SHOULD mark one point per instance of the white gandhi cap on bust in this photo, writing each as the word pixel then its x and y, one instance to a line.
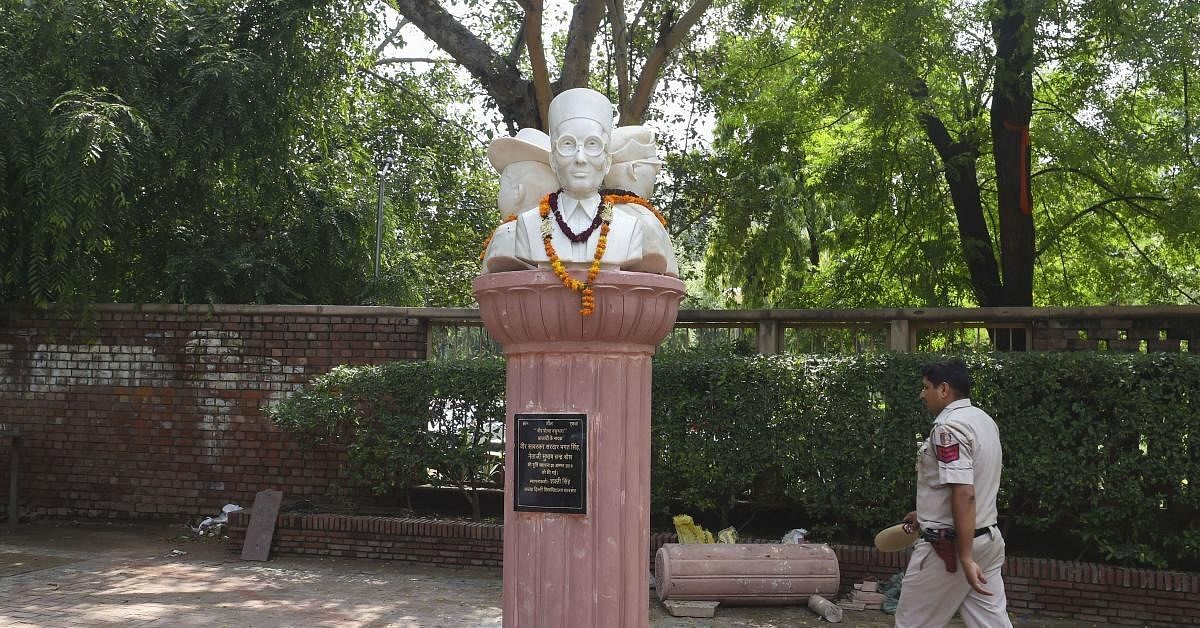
pixel 528 145
pixel 581 102
pixel 633 143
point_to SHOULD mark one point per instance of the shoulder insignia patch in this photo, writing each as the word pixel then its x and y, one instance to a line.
pixel 947 453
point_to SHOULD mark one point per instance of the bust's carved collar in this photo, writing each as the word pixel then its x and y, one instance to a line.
pixel 568 205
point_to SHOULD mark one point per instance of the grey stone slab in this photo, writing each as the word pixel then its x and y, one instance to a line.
pixel 262 525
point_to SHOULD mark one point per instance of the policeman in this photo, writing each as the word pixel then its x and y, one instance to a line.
pixel 955 566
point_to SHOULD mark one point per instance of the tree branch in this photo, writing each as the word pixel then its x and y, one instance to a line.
pixel 537 59
pixel 1048 242
pixel 959 167
pixel 1100 183
pixel 581 34
pixel 1132 242
pixel 667 42
pixel 514 53
pixel 396 60
pixel 391 36
pixel 420 100
pixel 503 82
pixel 639 19
pixel 620 36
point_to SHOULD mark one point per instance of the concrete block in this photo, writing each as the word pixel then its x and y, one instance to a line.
pixel 691 608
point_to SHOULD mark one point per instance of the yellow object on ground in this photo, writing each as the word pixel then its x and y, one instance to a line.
pixel 689 532
pixel 728 535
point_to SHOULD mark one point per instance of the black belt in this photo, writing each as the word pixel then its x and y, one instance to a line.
pixel 949 534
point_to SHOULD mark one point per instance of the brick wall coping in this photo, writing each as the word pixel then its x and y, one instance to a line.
pixel 402 526
pixel 429 313
pixel 944 314
pixel 471 315
pixel 1059 570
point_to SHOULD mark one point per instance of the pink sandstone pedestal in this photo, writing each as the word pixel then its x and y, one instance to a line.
pixel 581 570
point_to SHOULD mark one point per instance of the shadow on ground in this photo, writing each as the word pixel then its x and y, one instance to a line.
pixel 121 574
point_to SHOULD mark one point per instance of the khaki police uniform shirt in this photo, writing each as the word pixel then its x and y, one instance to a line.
pixel 963 448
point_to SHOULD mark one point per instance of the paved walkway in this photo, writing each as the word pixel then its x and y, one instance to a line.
pixel 63 574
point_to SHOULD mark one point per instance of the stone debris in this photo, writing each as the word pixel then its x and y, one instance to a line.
pixel 827 610
pixel 864 596
pixel 689 608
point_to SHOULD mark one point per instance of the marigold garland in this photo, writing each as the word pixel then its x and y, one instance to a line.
pixel 618 196
pixel 587 300
pixel 587 294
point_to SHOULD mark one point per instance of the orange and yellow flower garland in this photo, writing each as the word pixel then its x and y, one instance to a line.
pixel 584 288
pixel 633 199
pixel 587 299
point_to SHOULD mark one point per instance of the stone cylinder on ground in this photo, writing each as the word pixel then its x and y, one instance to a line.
pixel 749 574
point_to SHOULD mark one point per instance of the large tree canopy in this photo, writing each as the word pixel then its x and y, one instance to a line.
pixel 937 152
pixel 224 151
pixel 887 154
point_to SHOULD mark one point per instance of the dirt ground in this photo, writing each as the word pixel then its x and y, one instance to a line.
pixel 120 574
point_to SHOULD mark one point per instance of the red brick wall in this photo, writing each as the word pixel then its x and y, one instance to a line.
pixel 1083 591
pixel 432 541
pixel 157 411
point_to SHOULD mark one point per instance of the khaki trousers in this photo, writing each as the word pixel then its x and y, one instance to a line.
pixel 929 595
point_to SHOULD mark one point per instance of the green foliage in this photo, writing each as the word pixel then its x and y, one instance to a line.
pixel 832 437
pixel 385 433
pixel 1104 447
pixel 406 423
pixel 222 151
pixel 706 410
pixel 1100 449
pixel 830 194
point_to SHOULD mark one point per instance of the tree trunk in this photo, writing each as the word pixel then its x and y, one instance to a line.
pixel 1011 109
pixel 959 160
pixel 577 59
pixel 472 495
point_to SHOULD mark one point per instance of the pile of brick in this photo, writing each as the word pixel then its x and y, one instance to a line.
pixel 864 596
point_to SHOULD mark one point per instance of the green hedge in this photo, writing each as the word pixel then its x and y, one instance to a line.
pixel 407 423
pixel 1100 449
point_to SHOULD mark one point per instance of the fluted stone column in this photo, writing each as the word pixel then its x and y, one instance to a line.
pixel 581 570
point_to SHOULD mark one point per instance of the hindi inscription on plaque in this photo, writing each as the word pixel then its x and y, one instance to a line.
pixel 551 466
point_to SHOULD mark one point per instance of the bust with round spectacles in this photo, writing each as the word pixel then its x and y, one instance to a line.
pixel 577 228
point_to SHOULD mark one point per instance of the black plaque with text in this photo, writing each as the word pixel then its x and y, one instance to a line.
pixel 551 465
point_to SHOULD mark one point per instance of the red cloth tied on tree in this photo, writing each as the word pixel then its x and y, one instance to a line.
pixel 1024 156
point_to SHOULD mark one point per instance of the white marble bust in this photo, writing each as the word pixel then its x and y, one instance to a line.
pixel 635 168
pixel 523 163
pixel 580 123
pixel 635 163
